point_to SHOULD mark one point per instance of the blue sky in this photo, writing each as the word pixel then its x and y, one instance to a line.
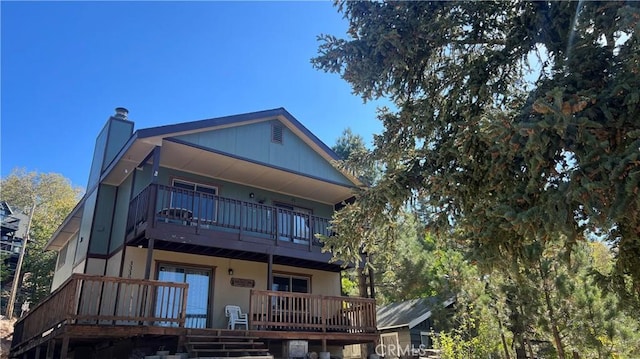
pixel 67 65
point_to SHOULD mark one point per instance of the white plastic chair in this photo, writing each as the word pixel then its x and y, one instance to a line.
pixel 235 315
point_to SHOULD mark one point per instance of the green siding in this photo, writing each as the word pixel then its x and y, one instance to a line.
pixel 85 227
pixel 101 231
pixel 98 155
pixel 142 179
pixel 119 133
pixel 253 142
pixel 112 138
pixel 120 215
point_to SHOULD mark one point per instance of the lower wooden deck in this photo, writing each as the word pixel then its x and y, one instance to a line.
pixel 61 342
pixel 96 311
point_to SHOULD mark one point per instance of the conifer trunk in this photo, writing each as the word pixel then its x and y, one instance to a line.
pixel 530 349
pixel 504 340
pixel 552 318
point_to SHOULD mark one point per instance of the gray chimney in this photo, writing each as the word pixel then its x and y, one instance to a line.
pixel 121 113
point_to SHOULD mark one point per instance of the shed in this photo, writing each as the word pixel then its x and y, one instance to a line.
pixel 405 327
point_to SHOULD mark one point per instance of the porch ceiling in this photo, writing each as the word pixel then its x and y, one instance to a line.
pixel 211 164
pixel 238 254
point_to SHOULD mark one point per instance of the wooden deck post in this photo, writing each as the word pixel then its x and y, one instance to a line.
pixel 275 222
pixel 372 288
pixel 147 268
pixel 65 347
pixel 270 271
pixel 51 348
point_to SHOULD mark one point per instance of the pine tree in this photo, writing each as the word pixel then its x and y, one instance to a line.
pixel 500 159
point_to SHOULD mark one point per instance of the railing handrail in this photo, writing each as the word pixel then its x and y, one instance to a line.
pixel 309 295
pixel 242 202
pixel 128 280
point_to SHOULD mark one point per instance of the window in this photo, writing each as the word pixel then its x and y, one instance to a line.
pixel 62 256
pixel 198 198
pixel 277 132
pixel 425 339
pixel 289 283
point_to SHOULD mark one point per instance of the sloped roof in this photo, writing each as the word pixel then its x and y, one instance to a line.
pixel 143 140
pixel 233 120
pixel 408 313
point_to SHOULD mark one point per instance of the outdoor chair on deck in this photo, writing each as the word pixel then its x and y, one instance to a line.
pixel 235 315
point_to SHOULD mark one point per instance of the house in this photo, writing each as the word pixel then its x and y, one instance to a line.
pixel 13 230
pixel 405 328
pixel 180 221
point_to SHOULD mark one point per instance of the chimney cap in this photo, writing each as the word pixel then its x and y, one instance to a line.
pixel 121 112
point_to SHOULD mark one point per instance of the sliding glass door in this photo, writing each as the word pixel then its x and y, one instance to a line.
pixel 199 280
pixel 293 223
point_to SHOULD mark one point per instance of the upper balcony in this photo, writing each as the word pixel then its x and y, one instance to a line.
pixel 188 217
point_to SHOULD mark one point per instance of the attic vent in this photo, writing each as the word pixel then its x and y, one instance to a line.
pixel 276 133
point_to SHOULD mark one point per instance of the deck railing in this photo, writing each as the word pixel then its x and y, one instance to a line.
pixel 273 310
pixel 88 299
pixel 203 210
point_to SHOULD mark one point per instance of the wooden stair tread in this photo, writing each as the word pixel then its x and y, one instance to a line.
pixel 213 337
pixel 249 344
pixel 218 350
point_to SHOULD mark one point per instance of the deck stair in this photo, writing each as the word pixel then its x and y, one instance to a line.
pixel 224 344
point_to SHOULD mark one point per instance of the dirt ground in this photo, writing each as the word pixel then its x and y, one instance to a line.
pixel 6 332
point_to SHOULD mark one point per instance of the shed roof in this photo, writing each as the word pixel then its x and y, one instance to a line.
pixel 408 313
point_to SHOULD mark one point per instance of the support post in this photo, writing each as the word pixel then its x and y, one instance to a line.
pixel 372 288
pixel 16 276
pixel 51 348
pixel 269 271
pixel 65 347
pixel 147 268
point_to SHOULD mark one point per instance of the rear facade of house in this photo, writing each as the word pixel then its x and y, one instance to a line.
pixel 179 222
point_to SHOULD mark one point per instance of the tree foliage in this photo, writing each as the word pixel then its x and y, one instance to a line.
pixel 54 197
pixel 516 123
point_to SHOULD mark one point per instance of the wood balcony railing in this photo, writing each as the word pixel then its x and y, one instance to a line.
pixel 272 310
pixel 192 208
pixel 88 299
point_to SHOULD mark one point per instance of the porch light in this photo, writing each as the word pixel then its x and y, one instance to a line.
pixel 230 271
